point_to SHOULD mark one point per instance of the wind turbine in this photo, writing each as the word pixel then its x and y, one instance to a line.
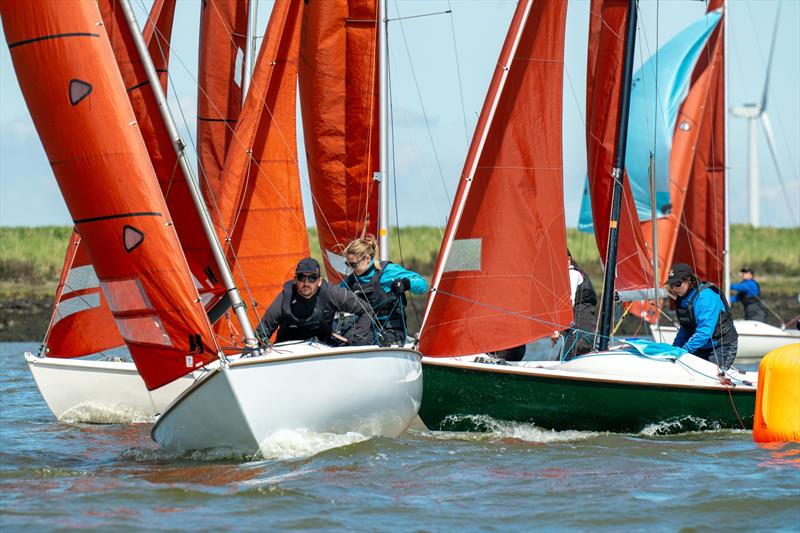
pixel 754 112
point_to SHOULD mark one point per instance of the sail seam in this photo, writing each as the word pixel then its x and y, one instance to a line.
pixel 119 215
pixel 54 36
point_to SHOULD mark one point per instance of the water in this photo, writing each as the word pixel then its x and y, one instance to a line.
pixel 64 476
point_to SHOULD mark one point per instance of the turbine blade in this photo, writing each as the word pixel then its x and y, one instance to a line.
pixel 769 60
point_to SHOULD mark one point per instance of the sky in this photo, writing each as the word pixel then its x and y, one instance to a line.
pixel 440 68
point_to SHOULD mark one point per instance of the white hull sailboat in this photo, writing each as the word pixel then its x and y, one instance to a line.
pixel 306 386
pixel 100 392
pixel 756 339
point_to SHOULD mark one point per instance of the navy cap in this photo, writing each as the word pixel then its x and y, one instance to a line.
pixel 309 265
pixel 679 272
pixel 747 269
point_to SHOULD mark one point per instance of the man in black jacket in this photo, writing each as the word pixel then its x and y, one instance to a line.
pixel 306 307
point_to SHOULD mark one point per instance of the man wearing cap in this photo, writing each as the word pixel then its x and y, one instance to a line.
pixel 749 293
pixel 306 306
pixel 706 325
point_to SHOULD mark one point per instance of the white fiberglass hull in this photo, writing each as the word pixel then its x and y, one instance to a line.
pixel 756 339
pixel 100 392
pixel 366 390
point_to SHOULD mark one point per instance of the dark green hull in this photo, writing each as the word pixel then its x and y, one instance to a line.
pixel 451 396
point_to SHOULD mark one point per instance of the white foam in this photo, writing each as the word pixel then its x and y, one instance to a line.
pixel 497 429
pixel 685 424
pixel 103 413
pixel 299 443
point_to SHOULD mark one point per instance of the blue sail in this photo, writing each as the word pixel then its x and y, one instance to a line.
pixel 676 61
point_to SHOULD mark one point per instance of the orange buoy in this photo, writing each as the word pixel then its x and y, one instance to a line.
pixel 777 416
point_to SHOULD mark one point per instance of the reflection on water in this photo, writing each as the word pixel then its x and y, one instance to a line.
pixel 509 477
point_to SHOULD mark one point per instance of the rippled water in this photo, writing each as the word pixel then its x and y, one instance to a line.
pixel 55 475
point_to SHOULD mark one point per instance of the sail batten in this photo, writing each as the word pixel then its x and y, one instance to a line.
pixel 501 276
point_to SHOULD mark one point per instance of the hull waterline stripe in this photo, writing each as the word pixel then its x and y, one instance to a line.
pixel 120 215
pixel 54 36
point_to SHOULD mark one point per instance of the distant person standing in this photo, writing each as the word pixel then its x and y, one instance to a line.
pixel 748 292
pixel 706 325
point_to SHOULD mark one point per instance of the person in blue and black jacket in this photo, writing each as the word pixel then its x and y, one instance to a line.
pixel 749 293
pixel 383 285
pixel 706 324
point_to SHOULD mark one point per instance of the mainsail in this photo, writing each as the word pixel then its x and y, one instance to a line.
pixel 259 198
pixel 223 34
pixel 77 99
pixel 701 236
pixel 501 276
pixel 605 61
pixel 339 99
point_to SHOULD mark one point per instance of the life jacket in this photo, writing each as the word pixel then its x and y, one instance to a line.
pixel 389 308
pixel 583 310
pixel 317 324
pixel 753 306
pixel 724 332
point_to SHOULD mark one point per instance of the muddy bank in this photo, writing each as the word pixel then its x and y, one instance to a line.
pixel 26 319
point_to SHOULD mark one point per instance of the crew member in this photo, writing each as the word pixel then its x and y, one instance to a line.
pixel 381 284
pixel 749 293
pixel 579 338
pixel 706 325
pixel 306 307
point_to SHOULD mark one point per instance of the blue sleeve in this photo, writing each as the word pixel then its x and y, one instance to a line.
pixel 393 272
pixel 738 287
pixel 707 308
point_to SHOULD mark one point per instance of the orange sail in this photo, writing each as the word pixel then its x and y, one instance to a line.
pixel 157 34
pixel 606 48
pixel 260 203
pixel 159 147
pixel 339 99
pixel 81 323
pixel 77 99
pixel 501 277
pixel 223 34
pixel 701 236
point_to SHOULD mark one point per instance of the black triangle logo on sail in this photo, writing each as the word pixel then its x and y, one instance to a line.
pixel 131 237
pixel 78 90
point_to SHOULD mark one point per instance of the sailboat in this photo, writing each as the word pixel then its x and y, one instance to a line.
pixel 501 275
pixel 112 192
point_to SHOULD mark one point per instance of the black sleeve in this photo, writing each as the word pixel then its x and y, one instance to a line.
pixel 271 319
pixel 344 300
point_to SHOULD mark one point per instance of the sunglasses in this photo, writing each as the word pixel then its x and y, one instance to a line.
pixel 676 284
pixel 354 264
pixel 310 278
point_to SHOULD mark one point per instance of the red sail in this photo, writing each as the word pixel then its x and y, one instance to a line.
pixel 501 278
pixel 693 232
pixel 81 323
pixel 701 237
pixel 260 202
pixel 157 34
pixel 77 100
pixel 223 35
pixel 606 49
pixel 339 98
pixel 160 149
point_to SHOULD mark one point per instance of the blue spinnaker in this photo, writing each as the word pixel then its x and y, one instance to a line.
pixel 676 61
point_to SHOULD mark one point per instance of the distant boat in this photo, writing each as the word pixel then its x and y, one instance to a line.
pixel 107 178
pixel 501 275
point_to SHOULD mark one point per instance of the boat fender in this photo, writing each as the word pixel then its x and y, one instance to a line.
pixel 777 414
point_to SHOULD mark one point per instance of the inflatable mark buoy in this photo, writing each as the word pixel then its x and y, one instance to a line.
pixel 777 416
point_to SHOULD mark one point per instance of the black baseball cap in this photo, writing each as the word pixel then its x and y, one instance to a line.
pixel 746 269
pixel 309 265
pixel 679 272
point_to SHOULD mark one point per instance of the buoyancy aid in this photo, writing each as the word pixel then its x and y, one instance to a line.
pixel 753 306
pixel 317 324
pixel 583 310
pixel 389 308
pixel 724 331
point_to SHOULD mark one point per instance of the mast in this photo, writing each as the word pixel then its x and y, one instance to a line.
pixel 219 257
pixel 383 103
pixel 618 174
pixel 249 48
pixel 726 243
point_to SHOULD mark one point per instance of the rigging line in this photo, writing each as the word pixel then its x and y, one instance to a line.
pixel 458 71
pixel 422 105
pixel 422 15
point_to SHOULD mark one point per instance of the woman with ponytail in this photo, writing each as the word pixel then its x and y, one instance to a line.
pixel 383 285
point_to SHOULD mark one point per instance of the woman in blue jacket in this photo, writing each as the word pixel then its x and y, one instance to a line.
pixel 383 285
